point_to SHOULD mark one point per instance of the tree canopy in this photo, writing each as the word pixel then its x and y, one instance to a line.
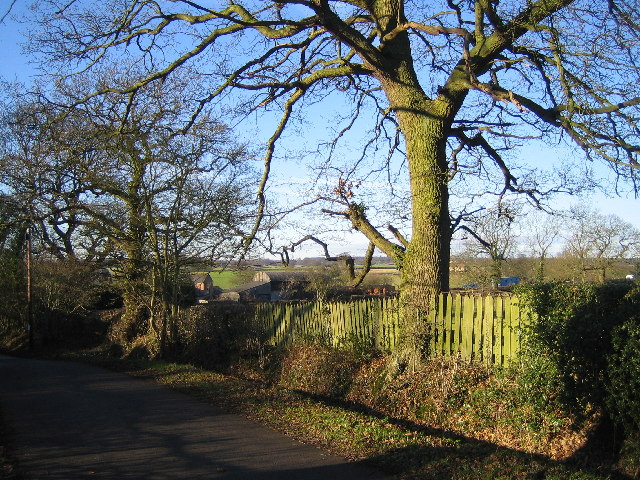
pixel 120 180
pixel 447 89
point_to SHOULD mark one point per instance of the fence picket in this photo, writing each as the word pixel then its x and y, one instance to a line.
pixel 439 324
pixel 456 325
pixel 447 326
pixel 488 320
pixel 498 331
pixel 467 328
pixel 478 317
pixel 516 323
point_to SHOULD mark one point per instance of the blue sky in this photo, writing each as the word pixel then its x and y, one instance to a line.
pixel 15 66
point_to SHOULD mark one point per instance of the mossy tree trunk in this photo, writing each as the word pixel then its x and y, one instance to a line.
pixel 425 124
pixel 425 267
pixel 135 319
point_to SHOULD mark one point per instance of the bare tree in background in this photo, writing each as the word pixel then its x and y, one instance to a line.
pixel 494 237
pixel 598 240
pixel 543 233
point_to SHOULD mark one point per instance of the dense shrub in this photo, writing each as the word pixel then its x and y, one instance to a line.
pixel 319 369
pixel 12 294
pixel 585 338
pixel 70 286
pixel 432 394
pixel 63 330
pixel 213 335
pixel 569 338
pixel 623 370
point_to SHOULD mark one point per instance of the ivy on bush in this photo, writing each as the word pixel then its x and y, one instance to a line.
pixel 585 340
pixel 623 379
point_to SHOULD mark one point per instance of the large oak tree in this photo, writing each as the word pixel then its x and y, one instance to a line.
pixel 455 80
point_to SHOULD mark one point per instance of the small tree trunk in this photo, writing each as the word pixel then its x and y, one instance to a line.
pixel 135 319
pixel 540 272
pixel 30 322
pixel 496 271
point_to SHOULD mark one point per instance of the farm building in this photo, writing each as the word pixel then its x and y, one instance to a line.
pixel 268 286
pixel 203 286
pixel 247 292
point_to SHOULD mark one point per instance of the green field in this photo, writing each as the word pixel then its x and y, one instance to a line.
pixel 230 278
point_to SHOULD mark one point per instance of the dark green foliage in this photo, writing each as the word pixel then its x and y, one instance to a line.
pixel 13 286
pixel 567 344
pixel 623 379
pixel 521 400
pixel 583 343
pixel 581 352
pixel 12 293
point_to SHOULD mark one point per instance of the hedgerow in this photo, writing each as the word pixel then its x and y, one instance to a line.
pixel 585 336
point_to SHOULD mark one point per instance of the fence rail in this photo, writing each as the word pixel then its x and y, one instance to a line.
pixel 479 328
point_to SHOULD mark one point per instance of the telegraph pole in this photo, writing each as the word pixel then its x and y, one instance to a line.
pixel 29 302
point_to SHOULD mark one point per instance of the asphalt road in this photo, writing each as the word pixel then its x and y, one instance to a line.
pixel 73 421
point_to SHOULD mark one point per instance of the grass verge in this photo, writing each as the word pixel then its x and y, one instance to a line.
pixel 405 449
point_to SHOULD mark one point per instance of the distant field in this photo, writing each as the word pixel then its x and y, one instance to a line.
pixel 476 271
pixel 383 275
pixel 231 278
pixel 383 266
pixel 378 275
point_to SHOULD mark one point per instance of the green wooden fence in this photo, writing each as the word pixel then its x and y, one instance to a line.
pixel 479 328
